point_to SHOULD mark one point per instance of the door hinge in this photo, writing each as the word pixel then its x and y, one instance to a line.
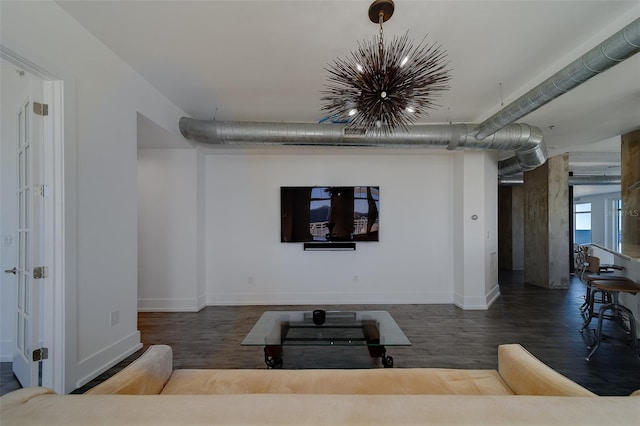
pixel 40 272
pixel 40 354
pixel 41 190
pixel 40 109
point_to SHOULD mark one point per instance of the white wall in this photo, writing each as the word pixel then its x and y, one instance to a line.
pixel 171 242
pixel 247 264
pixel 237 253
pixel 15 90
pixel 103 193
pixel 168 230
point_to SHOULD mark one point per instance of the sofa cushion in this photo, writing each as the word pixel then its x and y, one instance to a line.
pixel 146 375
pixel 527 375
pixel 433 381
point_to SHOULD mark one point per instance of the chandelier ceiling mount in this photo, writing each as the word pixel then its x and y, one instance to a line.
pixel 384 7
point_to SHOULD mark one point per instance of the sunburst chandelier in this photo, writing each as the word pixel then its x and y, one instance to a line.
pixel 383 87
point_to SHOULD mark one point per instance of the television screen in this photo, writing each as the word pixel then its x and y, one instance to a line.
pixel 329 213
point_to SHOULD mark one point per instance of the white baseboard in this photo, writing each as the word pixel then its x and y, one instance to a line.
pixel 493 295
pixel 477 302
pixel 234 299
pixel 98 363
pixel 202 301
pixel 171 305
pixel 222 299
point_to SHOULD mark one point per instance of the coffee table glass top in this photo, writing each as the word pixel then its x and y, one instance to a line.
pixel 370 328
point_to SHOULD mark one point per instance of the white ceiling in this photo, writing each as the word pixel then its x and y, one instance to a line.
pixel 265 60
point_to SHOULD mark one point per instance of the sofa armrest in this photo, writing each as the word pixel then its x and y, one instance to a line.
pixel 21 396
pixel 146 375
pixel 527 375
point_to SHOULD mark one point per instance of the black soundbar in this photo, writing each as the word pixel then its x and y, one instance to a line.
pixel 330 245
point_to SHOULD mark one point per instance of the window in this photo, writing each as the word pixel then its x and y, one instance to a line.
pixel 582 220
pixel 613 224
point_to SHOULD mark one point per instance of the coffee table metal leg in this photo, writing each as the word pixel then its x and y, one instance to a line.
pixel 381 352
pixel 273 356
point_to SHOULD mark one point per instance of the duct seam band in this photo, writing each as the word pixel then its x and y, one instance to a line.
pixel 609 57
pixel 624 36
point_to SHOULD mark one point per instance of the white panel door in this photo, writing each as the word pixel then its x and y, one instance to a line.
pixel 29 244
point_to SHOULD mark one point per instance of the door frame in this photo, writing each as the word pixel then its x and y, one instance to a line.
pixel 59 313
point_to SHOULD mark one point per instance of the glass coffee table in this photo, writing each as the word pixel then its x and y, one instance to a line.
pixel 374 329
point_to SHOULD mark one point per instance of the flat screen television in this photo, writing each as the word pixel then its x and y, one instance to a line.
pixel 329 213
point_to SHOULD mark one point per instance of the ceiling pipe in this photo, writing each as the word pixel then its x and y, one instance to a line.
pixel 573 180
pixel 617 48
pixel 496 133
pixel 526 141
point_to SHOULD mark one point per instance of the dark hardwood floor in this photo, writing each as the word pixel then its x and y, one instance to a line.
pixel 546 322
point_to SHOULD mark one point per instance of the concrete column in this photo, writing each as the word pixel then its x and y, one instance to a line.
pixel 546 224
pixel 630 192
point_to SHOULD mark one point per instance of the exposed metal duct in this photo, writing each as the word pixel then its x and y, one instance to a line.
pixel 620 46
pixel 595 180
pixel 573 180
pixel 526 141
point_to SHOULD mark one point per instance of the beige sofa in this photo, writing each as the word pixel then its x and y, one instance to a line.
pixel 149 391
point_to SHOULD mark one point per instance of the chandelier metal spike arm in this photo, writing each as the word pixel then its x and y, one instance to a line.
pixel 382 87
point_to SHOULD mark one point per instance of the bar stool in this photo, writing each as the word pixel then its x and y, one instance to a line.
pixel 592 265
pixel 580 259
pixel 587 307
pixel 618 311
